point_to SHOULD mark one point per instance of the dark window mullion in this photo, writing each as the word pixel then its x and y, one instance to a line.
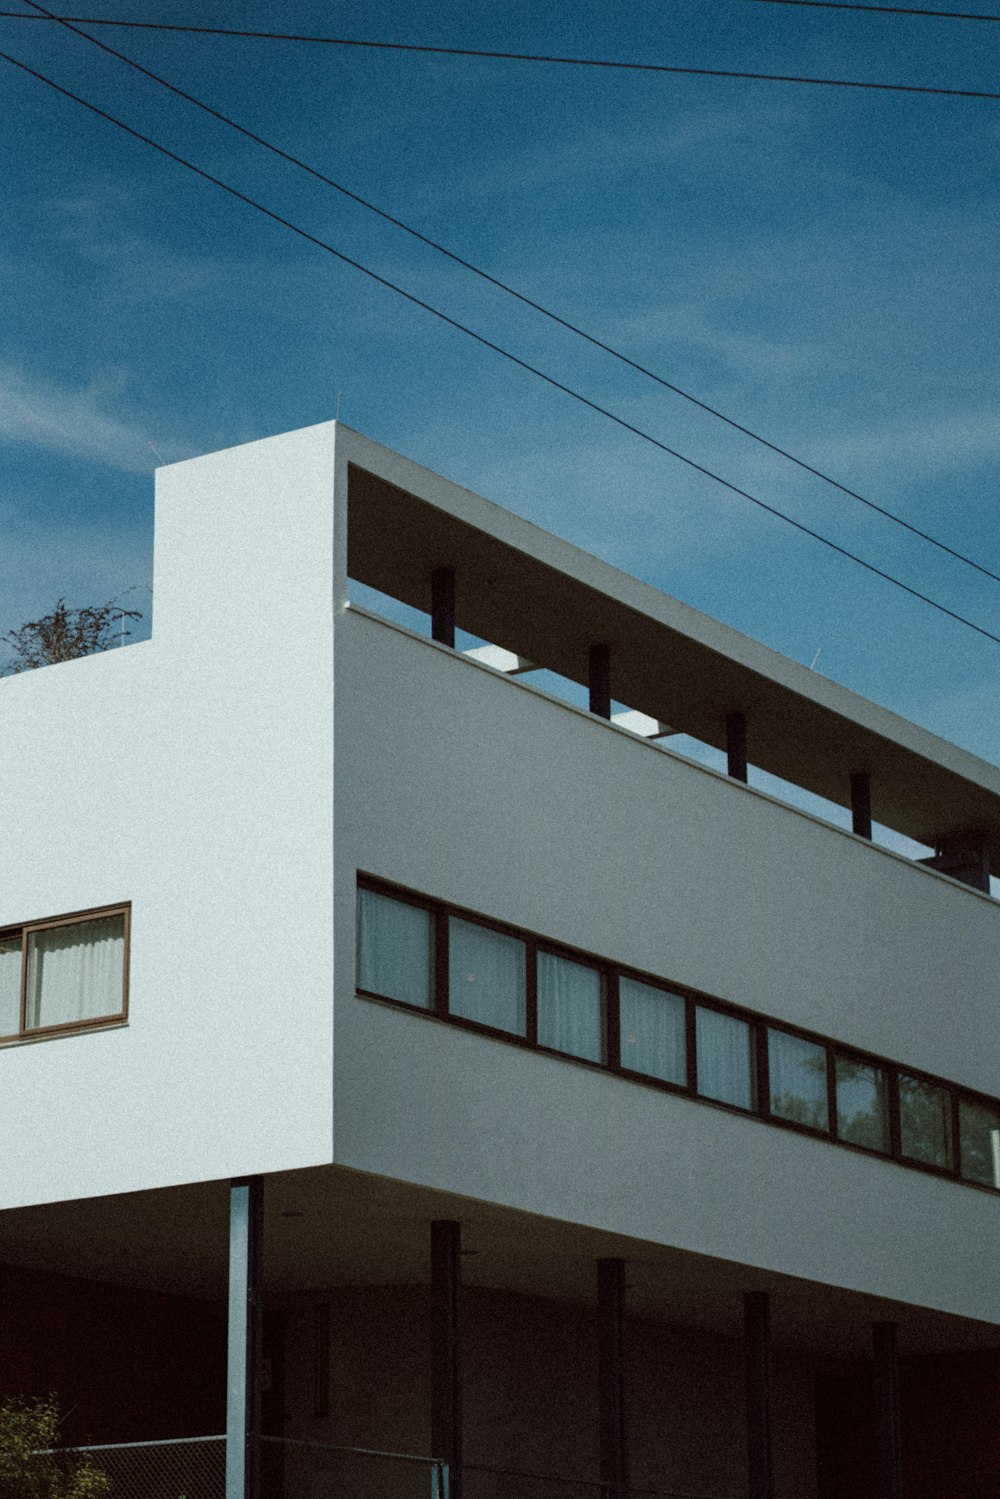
pixel 831 1091
pixel 441 961
pixel 761 1097
pixel 23 1018
pixel 892 1092
pixel 612 1021
pixel 956 1139
pixel 531 991
pixel 691 1043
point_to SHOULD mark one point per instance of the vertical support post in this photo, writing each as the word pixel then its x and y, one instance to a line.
pixel 611 1387
pixel 888 1447
pixel 443 605
pixel 861 804
pixel 599 673
pixel 245 1339
pixel 736 746
pixel 757 1354
pixel 446 1371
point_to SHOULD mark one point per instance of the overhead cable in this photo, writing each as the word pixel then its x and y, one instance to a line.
pixel 532 57
pixel 888 10
pixel 521 297
pixel 487 343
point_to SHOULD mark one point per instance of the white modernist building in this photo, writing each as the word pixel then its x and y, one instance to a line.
pixel 401 1059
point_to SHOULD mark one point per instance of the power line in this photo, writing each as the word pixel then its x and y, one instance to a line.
pixel 888 10
pixel 487 343
pixel 521 297
pixel 534 57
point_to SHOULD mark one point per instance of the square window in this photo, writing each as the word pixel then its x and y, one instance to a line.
pixel 395 949
pixel 924 1121
pixel 570 1007
pixel 797 1071
pixel 725 1058
pixel 652 1029
pixel 486 976
pixel 979 1137
pixel 862 1104
pixel 75 972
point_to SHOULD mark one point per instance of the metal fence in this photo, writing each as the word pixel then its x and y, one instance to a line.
pixel 195 1468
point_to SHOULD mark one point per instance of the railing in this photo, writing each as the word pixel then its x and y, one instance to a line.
pixel 195 1468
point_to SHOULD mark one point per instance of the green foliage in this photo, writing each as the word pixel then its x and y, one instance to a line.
pixel 30 1469
pixel 66 634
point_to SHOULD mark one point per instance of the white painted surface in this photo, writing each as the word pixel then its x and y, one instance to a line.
pixel 192 775
pixel 500 800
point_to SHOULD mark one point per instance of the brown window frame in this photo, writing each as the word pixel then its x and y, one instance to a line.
pixel 25 930
pixel 610 973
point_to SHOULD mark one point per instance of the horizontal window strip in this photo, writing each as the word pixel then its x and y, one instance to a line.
pixel 64 974
pixel 487 976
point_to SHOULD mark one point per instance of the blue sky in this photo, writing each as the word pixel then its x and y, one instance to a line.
pixel 820 264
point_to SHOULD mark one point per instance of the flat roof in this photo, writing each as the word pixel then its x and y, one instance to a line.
pixel 546 600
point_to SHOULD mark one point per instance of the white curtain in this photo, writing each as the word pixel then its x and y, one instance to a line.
pixel 723 1051
pixel 797 1070
pixel 10 986
pixel 76 972
pixel 394 949
pixel 569 1007
pixel 652 1031
pixel 486 976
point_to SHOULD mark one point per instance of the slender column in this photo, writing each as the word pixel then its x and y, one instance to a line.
pixel 246 1336
pixel 443 605
pixel 757 1353
pixel 736 746
pixel 861 804
pixel 612 1395
pixel 599 665
pixel 888 1449
pixel 446 1371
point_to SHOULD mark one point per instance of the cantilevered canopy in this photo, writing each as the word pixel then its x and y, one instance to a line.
pixel 547 601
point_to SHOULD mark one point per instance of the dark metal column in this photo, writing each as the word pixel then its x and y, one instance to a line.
pixel 757 1353
pixel 611 1389
pixel 599 666
pixel 443 605
pixel 888 1448
pixel 736 746
pixel 446 1369
pixel 861 804
pixel 246 1338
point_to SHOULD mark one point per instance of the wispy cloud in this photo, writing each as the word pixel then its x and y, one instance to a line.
pixel 79 422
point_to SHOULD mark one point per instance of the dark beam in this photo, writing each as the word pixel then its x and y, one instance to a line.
pixel 443 605
pixel 888 1449
pixel 446 1371
pixel 611 1386
pixel 736 746
pixel 757 1357
pixel 600 680
pixel 245 1338
pixel 861 803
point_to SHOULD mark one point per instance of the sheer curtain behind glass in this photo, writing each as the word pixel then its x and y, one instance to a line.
pixel 75 972
pixel 652 1031
pixel 10 986
pixel 723 1051
pixel 486 976
pixel 798 1079
pixel 570 1014
pixel 394 949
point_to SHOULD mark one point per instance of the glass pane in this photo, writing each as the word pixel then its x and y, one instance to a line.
pixel 924 1121
pixel 979 1134
pixel 570 1012
pixel 395 949
pixel 652 1031
pixel 10 986
pixel 486 976
pixel 797 1070
pixel 862 1104
pixel 723 1052
pixel 76 972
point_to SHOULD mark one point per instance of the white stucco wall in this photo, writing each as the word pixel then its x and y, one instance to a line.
pixel 192 775
pixel 458 783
